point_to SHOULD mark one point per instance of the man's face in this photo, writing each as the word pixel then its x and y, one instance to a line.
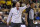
pixel 17 4
pixel 32 5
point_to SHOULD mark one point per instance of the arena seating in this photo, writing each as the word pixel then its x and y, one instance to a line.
pixel 7 5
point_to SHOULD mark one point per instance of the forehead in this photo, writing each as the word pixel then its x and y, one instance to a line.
pixel 17 3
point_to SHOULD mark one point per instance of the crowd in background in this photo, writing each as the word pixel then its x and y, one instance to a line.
pixel 6 5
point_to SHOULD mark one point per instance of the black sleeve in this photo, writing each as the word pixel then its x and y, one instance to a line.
pixel 27 10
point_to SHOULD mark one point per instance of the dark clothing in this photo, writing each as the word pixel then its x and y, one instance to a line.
pixel 28 19
pixel 30 23
pixel 27 11
pixel 15 24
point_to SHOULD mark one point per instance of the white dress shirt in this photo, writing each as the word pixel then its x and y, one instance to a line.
pixel 16 15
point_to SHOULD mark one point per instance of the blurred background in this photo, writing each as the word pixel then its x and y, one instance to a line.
pixel 6 5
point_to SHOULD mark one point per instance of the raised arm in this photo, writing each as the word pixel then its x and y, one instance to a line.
pixel 26 6
pixel 23 8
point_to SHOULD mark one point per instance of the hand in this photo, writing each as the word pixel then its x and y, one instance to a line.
pixel 7 24
pixel 27 23
pixel 28 5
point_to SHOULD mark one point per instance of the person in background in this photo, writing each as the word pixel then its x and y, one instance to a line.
pixel 8 4
pixel 30 14
pixel 35 14
pixel 16 13
pixel 38 17
pixel 35 6
pixel 1 17
pixel 3 4
pixel 5 20
pixel 1 14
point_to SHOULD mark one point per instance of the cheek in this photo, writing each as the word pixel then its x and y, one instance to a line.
pixel 19 5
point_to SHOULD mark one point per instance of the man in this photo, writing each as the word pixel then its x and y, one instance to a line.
pixel 30 15
pixel 16 13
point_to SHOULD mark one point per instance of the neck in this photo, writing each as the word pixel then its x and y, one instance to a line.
pixel 31 7
pixel 17 8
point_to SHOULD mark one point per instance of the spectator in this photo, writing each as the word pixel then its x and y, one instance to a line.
pixel 36 14
pixel 8 4
pixel 30 14
pixel 35 5
pixel 5 19
pixel 1 17
pixel 38 17
pixel 3 4
pixel 1 14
